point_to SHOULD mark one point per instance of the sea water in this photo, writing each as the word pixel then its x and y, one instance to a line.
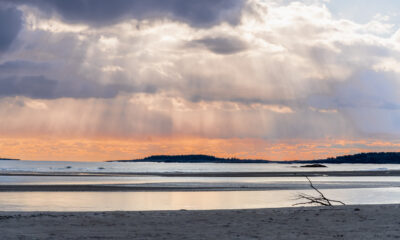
pixel 57 166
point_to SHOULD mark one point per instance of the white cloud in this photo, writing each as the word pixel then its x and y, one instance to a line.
pixel 388 65
pixel 112 69
pixel 38 105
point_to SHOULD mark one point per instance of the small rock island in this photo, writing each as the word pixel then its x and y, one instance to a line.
pixel 9 159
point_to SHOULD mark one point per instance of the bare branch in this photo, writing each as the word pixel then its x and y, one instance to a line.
pixel 321 200
pixel 337 201
pixel 320 193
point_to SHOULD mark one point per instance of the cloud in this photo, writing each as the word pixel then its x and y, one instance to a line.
pixel 103 12
pixel 36 105
pixel 40 87
pixel 22 66
pixel 90 117
pixel 221 45
pixel 34 86
pixel 292 72
pixel 10 25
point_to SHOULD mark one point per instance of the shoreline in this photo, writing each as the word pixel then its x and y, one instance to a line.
pixel 339 222
pixel 350 173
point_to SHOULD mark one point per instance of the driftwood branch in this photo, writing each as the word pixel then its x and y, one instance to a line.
pixel 320 200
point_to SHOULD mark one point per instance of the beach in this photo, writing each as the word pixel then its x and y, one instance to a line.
pixel 340 222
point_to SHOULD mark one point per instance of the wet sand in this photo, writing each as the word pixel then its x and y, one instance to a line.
pixel 193 186
pixel 344 222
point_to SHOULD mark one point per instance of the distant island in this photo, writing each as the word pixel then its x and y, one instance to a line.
pixel 372 158
pixel 9 159
pixel 192 159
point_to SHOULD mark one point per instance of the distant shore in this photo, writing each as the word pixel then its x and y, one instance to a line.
pixel 344 222
pixel 360 158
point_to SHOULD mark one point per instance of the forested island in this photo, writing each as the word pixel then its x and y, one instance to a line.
pixel 192 159
pixel 372 158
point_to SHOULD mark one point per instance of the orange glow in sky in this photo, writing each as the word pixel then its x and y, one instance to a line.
pixel 117 149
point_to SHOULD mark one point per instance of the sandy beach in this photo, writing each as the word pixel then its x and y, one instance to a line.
pixel 344 222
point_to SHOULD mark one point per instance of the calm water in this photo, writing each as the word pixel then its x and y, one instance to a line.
pixel 281 191
pixel 47 166
pixel 133 201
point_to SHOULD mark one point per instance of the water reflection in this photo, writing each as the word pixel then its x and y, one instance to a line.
pixel 134 201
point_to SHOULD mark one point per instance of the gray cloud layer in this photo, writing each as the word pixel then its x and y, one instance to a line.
pixel 10 25
pixel 43 88
pixel 221 45
pixel 104 12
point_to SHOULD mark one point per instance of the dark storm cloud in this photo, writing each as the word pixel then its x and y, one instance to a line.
pixel 32 86
pixel 10 25
pixel 197 13
pixel 20 66
pixel 221 45
pixel 41 87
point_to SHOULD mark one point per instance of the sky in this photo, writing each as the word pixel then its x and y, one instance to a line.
pixel 94 80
